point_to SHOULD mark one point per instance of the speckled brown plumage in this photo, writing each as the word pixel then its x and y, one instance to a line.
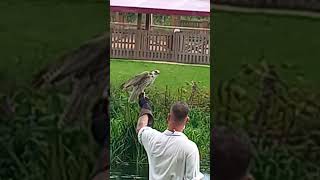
pixel 88 69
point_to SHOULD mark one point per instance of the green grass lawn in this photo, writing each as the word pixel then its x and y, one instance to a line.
pixel 35 33
pixel 172 75
pixel 124 147
pixel 244 38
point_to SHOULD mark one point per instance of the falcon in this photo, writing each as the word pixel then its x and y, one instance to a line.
pixel 139 83
pixel 87 70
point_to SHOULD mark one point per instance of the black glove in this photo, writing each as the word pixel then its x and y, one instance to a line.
pixel 145 108
pixel 144 101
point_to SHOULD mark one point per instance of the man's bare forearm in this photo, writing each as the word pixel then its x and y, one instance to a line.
pixel 142 122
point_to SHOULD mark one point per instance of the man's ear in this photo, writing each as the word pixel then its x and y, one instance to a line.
pixel 168 117
pixel 187 120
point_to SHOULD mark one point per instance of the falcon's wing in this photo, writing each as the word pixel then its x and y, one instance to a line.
pixel 77 62
pixel 135 80
pixel 88 68
pixel 139 88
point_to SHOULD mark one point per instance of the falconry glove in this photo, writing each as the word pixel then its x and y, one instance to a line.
pixel 145 108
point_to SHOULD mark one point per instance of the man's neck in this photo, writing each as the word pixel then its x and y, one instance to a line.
pixel 175 129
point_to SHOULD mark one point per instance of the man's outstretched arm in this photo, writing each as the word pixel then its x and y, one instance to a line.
pixel 142 122
pixel 145 116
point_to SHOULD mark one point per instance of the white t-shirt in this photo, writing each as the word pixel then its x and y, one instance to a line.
pixel 171 155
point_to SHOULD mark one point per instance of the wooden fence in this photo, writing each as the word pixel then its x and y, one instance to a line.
pixel 182 47
pixel 153 27
pixel 197 24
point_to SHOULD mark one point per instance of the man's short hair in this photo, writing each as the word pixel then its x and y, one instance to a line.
pixel 231 154
pixel 180 111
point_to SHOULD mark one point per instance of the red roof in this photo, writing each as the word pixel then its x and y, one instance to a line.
pixel 170 7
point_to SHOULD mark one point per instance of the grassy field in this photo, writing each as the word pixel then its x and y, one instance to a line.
pixel 35 33
pixel 280 115
pixel 245 38
pixel 172 75
pixel 124 145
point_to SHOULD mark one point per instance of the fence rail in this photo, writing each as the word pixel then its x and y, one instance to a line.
pixel 182 47
pixel 121 25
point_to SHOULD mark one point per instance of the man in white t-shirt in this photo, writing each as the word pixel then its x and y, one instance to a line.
pixel 171 155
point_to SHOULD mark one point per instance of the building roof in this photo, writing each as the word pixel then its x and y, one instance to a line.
pixel 169 7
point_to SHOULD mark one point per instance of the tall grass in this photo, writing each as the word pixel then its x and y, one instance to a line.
pixel 280 112
pixel 33 145
pixel 125 147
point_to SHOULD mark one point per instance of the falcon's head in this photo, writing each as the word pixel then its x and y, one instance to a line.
pixel 155 73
